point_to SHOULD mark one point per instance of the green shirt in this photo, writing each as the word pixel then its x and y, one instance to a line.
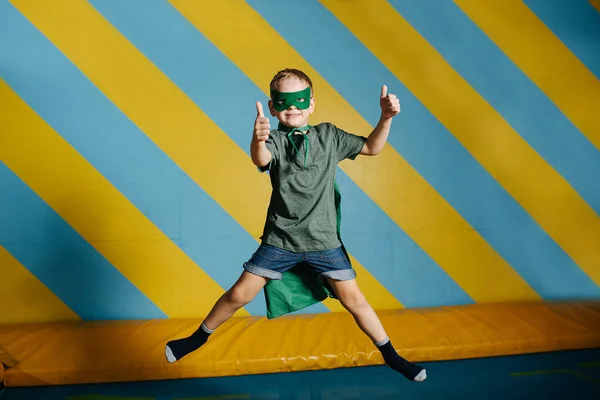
pixel 302 215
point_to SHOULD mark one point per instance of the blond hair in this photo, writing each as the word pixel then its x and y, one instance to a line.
pixel 290 73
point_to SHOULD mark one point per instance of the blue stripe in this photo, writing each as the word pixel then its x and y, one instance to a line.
pixel 158 30
pixel 576 23
pixel 210 79
pixel 208 234
pixel 62 260
pixel 435 153
pixel 97 129
pixel 391 255
pixel 522 104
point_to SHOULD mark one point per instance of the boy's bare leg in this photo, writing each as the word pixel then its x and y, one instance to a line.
pixel 355 302
pixel 241 293
pixel 367 320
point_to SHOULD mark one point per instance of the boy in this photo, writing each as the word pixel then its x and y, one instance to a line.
pixel 301 225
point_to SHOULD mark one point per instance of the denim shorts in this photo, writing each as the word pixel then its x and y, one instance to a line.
pixel 270 262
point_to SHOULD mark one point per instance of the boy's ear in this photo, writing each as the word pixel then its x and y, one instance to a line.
pixel 312 105
pixel 271 109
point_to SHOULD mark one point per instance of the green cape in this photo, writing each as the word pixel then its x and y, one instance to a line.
pixel 301 287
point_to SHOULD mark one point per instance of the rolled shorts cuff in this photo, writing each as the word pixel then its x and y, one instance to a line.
pixel 260 271
pixel 340 274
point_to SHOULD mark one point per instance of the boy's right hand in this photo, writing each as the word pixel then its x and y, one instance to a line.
pixel 262 127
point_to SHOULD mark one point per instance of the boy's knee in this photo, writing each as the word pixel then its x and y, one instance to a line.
pixel 239 296
pixel 354 300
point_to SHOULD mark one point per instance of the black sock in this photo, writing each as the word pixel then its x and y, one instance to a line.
pixel 395 361
pixel 177 349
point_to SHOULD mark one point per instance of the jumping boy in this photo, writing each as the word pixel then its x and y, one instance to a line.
pixel 301 225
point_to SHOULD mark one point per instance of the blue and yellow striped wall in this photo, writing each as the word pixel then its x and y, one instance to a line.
pixel 127 190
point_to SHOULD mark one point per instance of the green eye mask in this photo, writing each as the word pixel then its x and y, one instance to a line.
pixel 284 100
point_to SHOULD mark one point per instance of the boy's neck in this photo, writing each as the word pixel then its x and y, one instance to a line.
pixel 299 130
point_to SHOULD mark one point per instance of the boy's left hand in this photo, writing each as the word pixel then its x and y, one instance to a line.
pixel 390 105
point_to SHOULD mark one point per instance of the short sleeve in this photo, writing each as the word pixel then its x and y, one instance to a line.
pixel 272 147
pixel 348 144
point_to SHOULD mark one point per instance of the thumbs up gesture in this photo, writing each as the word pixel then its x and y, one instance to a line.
pixel 262 127
pixel 390 105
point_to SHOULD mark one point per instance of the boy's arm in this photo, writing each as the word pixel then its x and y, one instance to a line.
pixel 390 106
pixel 261 156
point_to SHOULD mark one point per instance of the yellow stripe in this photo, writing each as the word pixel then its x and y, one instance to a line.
pixel 169 118
pixel 388 179
pixel 156 105
pixel 596 4
pixel 24 298
pixel 552 66
pixel 547 196
pixel 101 214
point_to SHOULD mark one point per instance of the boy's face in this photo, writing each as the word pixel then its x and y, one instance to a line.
pixel 292 116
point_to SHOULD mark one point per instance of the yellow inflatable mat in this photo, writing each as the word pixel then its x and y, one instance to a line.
pixel 92 352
